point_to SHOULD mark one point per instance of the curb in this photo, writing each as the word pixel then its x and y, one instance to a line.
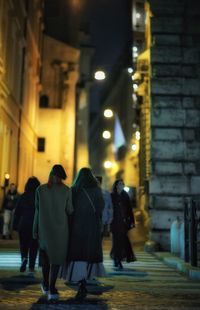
pixel 177 263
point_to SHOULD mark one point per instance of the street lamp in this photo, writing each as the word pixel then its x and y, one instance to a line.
pixel 108 113
pixel 106 134
pixel 99 75
pixel 107 164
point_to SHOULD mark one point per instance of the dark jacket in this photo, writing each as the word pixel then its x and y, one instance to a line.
pixel 10 200
pixel 85 232
pixel 123 218
pixel 24 212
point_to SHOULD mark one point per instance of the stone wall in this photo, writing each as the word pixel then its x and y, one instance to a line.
pixel 175 112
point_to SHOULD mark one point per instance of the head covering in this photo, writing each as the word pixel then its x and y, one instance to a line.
pixel 114 187
pixel 58 171
pixel 85 178
pixel 31 184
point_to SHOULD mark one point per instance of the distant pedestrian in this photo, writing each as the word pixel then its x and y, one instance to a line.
pixel 85 248
pixel 123 220
pixel 53 205
pixel 8 207
pixel 107 215
pixel 23 223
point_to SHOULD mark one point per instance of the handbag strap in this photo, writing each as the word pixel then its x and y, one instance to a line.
pixel 92 204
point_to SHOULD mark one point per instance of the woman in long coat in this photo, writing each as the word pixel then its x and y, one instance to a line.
pixel 85 248
pixel 53 205
pixel 23 223
pixel 123 220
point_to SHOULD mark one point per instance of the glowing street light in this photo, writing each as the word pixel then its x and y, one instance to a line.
pixel 99 75
pixel 107 164
pixel 138 15
pixel 108 113
pixel 130 70
pixel 106 134
pixel 134 147
pixel 137 135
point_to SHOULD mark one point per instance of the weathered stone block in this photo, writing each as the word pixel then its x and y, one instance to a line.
pixel 174 185
pixel 190 169
pixel 175 86
pixel 191 102
pixel 169 24
pixel 168 168
pixel 164 219
pixel 166 40
pixel 168 202
pixel 166 55
pixel 168 117
pixel 195 185
pixel 166 102
pixel 168 150
pixel 167 134
pixel 192 152
pixel 188 134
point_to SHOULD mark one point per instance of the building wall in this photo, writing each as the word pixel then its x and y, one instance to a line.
pixel 20 33
pixel 56 121
pixel 175 113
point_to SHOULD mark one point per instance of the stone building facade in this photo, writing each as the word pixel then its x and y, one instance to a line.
pixel 171 153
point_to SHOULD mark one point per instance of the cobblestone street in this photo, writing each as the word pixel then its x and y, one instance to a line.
pixel 145 284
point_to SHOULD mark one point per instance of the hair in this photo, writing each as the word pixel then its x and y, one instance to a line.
pixel 85 178
pixel 114 187
pixel 31 184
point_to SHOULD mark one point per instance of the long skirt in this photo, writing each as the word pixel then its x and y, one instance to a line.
pixel 78 270
pixel 121 247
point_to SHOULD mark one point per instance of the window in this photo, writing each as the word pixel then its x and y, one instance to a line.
pixel 41 145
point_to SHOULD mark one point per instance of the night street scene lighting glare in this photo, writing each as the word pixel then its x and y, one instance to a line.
pixel 107 164
pixel 134 147
pixel 137 135
pixel 106 134
pixel 108 113
pixel 99 75
pixel 126 188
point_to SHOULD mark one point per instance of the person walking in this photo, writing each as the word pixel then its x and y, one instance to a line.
pixel 23 223
pixel 85 248
pixel 53 206
pixel 8 206
pixel 107 215
pixel 123 220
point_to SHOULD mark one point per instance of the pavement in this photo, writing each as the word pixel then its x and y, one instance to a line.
pixel 156 281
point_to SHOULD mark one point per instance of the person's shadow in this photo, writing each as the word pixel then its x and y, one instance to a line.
pixel 93 290
pixel 18 282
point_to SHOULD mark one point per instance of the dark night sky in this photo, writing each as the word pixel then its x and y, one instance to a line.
pixel 107 21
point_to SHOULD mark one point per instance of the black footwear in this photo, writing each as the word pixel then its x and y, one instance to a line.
pixel 3 237
pixel 82 291
pixel 120 266
pixel 10 237
pixel 23 265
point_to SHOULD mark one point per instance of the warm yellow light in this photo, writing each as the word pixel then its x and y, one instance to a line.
pixel 137 135
pixel 134 147
pixel 107 164
pixel 7 176
pixel 99 75
pixel 135 86
pixel 106 134
pixel 108 113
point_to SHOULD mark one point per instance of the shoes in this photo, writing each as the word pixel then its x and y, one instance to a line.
pixel 23 265
pixel 10 237
pixel 44 289
pixel 3 237
pixel 31 272
pixel 53 295
pixel 82 291
pixel 120 266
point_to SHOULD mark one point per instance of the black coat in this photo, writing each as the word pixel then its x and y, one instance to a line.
pixel 10 201
pixel 85 228
pixel 24 212
pixel 123 220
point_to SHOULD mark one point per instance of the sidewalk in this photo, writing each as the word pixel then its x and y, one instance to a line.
pixel 179 264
